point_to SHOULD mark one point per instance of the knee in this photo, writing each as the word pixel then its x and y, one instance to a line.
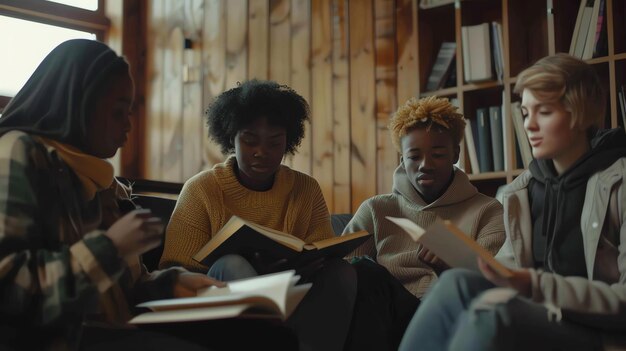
pixel 338 275
pixel 230 267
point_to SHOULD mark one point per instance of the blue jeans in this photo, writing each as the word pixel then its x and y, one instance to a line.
pixel 449 319
pixel 322 319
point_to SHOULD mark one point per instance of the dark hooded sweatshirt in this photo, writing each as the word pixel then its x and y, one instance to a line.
pixel 557 202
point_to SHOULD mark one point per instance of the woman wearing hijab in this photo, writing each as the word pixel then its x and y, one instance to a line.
pixel 68 256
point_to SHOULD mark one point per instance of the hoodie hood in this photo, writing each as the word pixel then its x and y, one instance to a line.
pixel 557 200
pixel 606 147
pixel 459 190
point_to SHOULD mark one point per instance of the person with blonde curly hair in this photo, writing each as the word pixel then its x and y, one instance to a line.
pixel 426 186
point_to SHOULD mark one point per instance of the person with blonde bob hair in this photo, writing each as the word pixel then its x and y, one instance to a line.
pixel 565 234
pixel 426 186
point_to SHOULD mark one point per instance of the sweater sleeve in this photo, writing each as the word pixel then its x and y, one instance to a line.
pixel 43 284
pixel 363 220
pixel 189 227
pixel 490 234
pixel 320 227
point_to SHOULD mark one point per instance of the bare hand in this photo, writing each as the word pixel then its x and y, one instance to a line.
pixel 520 280
pixel 433 261
pixel 136 232
pixel 189 283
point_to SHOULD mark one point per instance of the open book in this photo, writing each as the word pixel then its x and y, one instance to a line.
pixel 450 244
pixel 245 238
pixel 273 295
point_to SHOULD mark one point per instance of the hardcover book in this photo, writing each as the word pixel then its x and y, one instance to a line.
pixel 245 238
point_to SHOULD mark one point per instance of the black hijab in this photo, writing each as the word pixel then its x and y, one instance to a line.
pixel 56 99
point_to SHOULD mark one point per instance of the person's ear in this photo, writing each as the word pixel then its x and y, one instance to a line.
pixel 457 153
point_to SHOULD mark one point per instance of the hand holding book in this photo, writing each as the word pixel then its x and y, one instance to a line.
pixel 518 280
pixel 451 245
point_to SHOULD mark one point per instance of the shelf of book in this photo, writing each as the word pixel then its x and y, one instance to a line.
pixel 520 33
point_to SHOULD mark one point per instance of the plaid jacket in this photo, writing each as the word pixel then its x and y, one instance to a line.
pixel 57 269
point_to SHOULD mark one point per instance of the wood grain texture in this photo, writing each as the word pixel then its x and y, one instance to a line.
pixel 321 101
pixel 362 102
pixel 341 108
pixel 213 69
pixel 258 39
pixel 173 94
pixel 301 74
pixel 386 94
pixel 236 42
pixel 154 89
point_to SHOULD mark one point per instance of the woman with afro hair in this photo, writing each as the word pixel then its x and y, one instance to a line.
pixel 257 124
pixel 426 186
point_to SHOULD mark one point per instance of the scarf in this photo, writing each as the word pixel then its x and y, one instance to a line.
pixel 94 173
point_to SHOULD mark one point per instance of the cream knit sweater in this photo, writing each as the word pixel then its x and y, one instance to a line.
pixel 294 205
pixel 478 215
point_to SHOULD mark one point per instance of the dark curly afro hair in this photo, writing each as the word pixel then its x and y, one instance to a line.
pixel 236 108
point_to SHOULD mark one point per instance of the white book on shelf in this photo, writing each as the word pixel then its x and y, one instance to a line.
pixel 461 162
pixel 581 9
pixel 591 32
pixel 471 147
pixel 584 28
pixel 506 143
pixel 622 104
pixel 427 4
pixel 497 45
pixel 477 50
pixel 520 132
pixel 465 43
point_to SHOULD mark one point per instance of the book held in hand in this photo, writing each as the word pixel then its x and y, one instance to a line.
pixel 450 244
pixel 272 296
pixel 245 238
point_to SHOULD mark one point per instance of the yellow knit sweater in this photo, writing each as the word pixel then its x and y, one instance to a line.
pixel 294 205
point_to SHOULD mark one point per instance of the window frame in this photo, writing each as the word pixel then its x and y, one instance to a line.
pixel 56 14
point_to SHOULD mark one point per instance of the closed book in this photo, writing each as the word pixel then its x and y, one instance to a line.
pixel 442 67
pixel 497 143
pixel 249 240
pixel 485 156
pixel 477 52
pixel 472 152
pixel 520 132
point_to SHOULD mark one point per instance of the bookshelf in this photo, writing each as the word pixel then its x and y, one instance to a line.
pixel 531 29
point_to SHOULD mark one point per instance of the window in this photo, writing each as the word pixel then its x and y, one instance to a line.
pixel 91 5
pixel 29 29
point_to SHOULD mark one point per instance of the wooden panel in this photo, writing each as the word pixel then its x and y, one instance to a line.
pixel 214 68
pixel 154 88
pixel 406 37
pixel 280 45
pixel 301 73
pixel 236 41
pixel 386 104
pixel 258 38
pixel 341 108
pixel 362 101
pixel 321 101
pixel 192 90
pixel 173 93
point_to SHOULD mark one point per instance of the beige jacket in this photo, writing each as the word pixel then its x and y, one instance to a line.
pixel 599 300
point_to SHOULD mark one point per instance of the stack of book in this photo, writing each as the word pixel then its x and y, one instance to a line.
pixel 589 36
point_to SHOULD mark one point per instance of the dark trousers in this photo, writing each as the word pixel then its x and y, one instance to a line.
pixel 247 334
pixel 382 311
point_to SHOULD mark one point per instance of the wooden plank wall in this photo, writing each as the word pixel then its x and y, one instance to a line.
pixel 355 61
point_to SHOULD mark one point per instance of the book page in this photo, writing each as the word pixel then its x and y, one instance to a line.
pixel 451 245
pixel 321 244
pixel 414 230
